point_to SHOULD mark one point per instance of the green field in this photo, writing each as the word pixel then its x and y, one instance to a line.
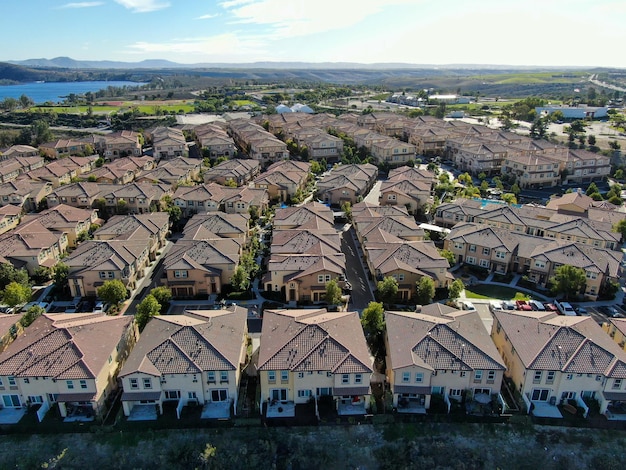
pixel 489 291
pixel 108 109
pixel 532 78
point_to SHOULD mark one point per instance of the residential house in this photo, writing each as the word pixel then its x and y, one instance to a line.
pixel 31 245
pixel 321 145
pixel 559 360
pixel 532 171
pixel 312 354
pixel 196 357
pixel 72 221
pixel 18 151
pixel 215 141
pixel 134 198
pixel 168 142
pixel 63 148
pixel 403 192
pixel 67 360
pixel 284 180
pixel 152 227
pixel 96 261
pixel 26 194
pixel 10 217
pixel 218 223
pixel 439 351
pixel 82 195
pixel 392 151
pixel 616 329
pixel 237 172
pixel 347 183
pixel 195 267
pixel 307 216
pixel 122 144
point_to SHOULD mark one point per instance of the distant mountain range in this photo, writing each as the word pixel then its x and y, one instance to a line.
pixel 69 63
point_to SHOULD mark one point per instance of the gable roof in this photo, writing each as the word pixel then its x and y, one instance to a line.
pixel 313 340
pixel 194 342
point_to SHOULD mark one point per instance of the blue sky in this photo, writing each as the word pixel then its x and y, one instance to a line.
pixel 510 32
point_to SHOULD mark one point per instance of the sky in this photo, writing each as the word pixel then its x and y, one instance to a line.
pixel 439 32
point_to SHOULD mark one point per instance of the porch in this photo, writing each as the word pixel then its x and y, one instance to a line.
pixel 351 401
pixel 544 409
pixel 616 409
pixel 11 415
pixel 77 407
pixel 143 413
pixel 217 409
pixel 411 399
pixel 142 406
pixel 280 409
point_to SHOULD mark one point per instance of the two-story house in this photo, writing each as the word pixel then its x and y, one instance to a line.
pixel 310 354
pixel 196 357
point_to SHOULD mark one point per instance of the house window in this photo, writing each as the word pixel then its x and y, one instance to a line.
pixel 419 377
pixel 210 376
pixel 304 393
pixel 345 378
pixel 569 376
pixel 463 373
pixel 358 378
pixel 617 384
pixel 134 384
pixel 486 251
pixel 83 383
pixel 284 376
pixel 320 278
pixel 180 274
pixel 327 278
pixel 70 384
pixel 223 376
pixel 550 377
pixel 484 263
pixel 478 375
pixel 598 378
pixel 147 382
pixel 400 277
pixel 491 376
pixel 470 260
pixel 540 264
pixel 472 248
pixel 406 377
pixel 500 254
pixel 271 375
pixel 300 375
pixel 537 378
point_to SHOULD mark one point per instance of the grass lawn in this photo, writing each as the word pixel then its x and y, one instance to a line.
pixel 489 291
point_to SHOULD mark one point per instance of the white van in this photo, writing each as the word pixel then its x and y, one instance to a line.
pixel 565 308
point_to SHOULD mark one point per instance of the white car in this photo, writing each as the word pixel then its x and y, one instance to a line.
pixel 467 305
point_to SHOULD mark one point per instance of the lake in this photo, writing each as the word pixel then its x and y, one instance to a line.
pixel 57 91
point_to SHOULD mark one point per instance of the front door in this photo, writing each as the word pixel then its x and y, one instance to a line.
pixel 540 394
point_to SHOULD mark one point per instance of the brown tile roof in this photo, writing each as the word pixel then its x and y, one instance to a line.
pixel 58 347
pixel 196 341
pixel 313 340
pixel 440 338
pixel 546 341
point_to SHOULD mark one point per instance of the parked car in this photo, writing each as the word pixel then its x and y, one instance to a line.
pixel 550 307
pixel 610 311
pixel 580 310
pixel 508 305
pixel 495 305
pixel 467 306
pixel 100 306
pixel 536 305
pixel 523 305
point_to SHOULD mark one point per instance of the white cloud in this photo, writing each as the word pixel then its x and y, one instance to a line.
pixel 234 3
pixel 143 6
pixel 81 5
pixel 228 47
pixel 305 17
pixel 207 17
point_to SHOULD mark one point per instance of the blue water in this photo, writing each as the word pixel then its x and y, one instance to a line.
pixel 57 91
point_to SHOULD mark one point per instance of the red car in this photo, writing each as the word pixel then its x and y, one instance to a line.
pixel 522 305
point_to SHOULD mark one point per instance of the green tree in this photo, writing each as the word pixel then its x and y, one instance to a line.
pixel 113 291
pixel 333 293
pixel 567 280
pixel 455 289
pixel 387 290
pixel 425 290
pixel 620 227
pixel 8 274
pixel 346 207
pixel 146 309
pixel 163 295
pixel 449 255
pixel 240 280
pixel 619 174
pixel 31 315
pixel 509 198
pixel 373 322
pixel 15 294
pixel 122 207
pixel 60 275
pixel 515 189
pixel 42 274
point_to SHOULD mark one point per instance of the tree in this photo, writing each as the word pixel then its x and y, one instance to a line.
pixel 346 207
pixel 42 274
pixel 147 308
pixel 31 315
pixel 455 289
pixel 113 291
pixel 333 293
pixel 620 227
pixel 592 188
pixel 509 198
pixel 515 189
pixel 425 290
pixel 163 295
pixel 387 290
pixel 61 272
pixel 240 280
pixel 449 255
pixel 373 322
pixel 568 280
pixel 8 274
pixel 15 294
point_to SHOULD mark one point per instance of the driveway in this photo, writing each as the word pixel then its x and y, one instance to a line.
pixel 361 291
